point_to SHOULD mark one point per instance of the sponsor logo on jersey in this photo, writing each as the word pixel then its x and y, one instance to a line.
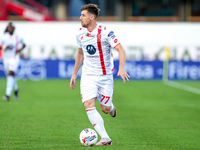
pixel 90 35
pixel 91 56
pixel 111 34
pixel 115 41
pixel 91 49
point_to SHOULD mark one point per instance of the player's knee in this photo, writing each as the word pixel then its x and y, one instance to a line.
pixel 89 104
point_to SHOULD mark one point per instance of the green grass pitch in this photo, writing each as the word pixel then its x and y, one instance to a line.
pixel 151 116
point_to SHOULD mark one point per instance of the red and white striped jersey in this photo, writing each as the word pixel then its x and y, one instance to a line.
pixel 96 46
pixel 14 42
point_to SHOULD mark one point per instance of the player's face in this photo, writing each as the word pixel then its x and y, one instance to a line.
pixel 11 29
pixel 85 18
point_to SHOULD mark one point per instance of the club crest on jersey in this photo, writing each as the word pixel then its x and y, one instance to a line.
pixel 91 49
pixel 111 34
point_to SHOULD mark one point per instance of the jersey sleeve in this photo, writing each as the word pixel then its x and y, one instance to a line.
pixel 112 38
pixel 21 40
pixel 78 40
pixel 2 41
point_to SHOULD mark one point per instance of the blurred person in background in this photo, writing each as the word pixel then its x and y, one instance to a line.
pixel 12 45
pixel 94 51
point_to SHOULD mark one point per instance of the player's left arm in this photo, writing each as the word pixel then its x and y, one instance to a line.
pixel 122 58
pixel 23 46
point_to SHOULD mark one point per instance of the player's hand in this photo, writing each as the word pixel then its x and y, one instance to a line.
pixel 18 51
pixel 122 73
pixel 7 47
pixel 73 82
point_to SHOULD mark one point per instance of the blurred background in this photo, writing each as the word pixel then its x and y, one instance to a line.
pixel 158 108
pixel 151 31
pixel 111 10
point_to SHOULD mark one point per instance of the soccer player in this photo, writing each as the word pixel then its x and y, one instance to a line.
pixel 94 51
pixel 12 45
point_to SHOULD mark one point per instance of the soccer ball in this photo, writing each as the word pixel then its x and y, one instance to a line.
pixel 88 137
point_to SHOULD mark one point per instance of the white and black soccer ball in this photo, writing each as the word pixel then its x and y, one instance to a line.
pixel 88 137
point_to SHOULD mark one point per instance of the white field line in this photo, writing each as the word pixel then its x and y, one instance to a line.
pixel 183 87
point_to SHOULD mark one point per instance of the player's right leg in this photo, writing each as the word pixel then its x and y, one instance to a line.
pixel 9 85
pixel 6 70
pixel 11 66
pixel 97 121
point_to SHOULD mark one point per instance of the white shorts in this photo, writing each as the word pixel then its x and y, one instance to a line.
pixel 11 65
pixel 97 86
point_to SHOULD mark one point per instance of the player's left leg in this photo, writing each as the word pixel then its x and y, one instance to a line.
pixel 16 90
pixel 95 118
pixel 113 111
pixel 106 95
pixel 109 109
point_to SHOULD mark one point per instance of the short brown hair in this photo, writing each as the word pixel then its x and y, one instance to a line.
pixel 91 8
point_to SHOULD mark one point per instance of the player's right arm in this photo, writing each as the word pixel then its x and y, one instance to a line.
pixel 3 46
pixel 23 46
pixel 78 63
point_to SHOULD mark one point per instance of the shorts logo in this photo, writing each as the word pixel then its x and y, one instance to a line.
pixel 91 49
